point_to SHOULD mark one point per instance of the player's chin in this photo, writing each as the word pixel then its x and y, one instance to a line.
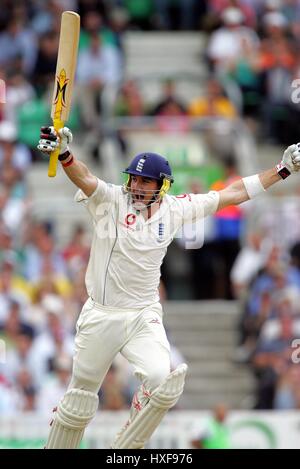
pixel 139 205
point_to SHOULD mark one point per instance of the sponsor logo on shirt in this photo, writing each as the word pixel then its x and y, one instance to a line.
pixel 161 230
pixel 154 321
pixel 130 219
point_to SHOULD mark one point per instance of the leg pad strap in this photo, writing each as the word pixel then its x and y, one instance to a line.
pixel 143 424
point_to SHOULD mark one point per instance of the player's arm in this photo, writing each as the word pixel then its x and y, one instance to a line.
pixel 76 171
pixel 252 186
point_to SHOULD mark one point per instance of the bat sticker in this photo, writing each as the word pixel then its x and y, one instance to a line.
pixel 60 96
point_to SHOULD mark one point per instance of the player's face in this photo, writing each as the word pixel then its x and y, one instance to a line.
pixel 142 191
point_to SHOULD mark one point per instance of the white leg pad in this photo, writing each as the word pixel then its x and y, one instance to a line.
pixel 141 427
pixel 75 410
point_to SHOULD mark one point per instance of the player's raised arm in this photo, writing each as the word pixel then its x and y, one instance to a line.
pixel 76 171
pixel 252 186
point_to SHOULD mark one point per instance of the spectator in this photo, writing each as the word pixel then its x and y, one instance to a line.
pixel 247 8
pixel 55 384
pixel 18 41
pixel 261 302
pixel 41 256
pixel 172 120
pixel 99 71
pixel 214 434
pixel 24 357
pixel 55 339
pixel 287 394
pixel 170 111
pixel 92 24
pixel 76 253
pixel 13 287
pixel 118 22
pixel 130 100
pixel 129 103
pixel 112 397
pixel 277 59
pixel 273 355
pixel 45 18
pixel 13 153
pixel 13 325
pixel 213 103
pixel 26 390
pixel 19 91
pixel 245 70
pixel 228 231
pixel 225 43
pixel 168 97
pixel 45 64
pixel 8 398
pixel 249 261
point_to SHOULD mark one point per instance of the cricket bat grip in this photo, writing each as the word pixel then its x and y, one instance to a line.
pixel 53 163
pixel 58 124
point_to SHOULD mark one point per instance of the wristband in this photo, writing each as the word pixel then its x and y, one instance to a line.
pixel 68 163
pixel 253 186
pixel 282 171
pixel 64 155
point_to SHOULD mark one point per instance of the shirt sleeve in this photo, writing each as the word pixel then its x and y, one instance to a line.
pixel 197 206
pixel 104 194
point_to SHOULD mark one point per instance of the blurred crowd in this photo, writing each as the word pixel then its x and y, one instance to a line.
pixel 251 54
pixel 266 277
pixel 252 58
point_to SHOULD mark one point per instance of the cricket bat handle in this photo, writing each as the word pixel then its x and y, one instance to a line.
pixel 58 124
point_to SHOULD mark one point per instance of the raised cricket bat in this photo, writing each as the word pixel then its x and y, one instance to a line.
pixel 64 77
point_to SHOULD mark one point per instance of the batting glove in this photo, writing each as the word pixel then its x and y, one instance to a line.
pixel 290 162
pixel 50 140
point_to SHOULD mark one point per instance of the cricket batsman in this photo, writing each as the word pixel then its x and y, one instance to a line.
pixel 133 226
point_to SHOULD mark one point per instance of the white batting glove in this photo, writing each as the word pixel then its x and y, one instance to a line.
pixel 290 162
pixel 50 140
pixel 66 137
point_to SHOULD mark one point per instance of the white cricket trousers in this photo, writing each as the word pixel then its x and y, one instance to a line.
pixel 104 331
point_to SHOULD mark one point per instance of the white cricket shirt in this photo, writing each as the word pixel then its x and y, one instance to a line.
pixel 127 250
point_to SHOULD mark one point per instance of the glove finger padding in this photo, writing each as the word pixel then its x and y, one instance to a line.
pixel 291 158
pixel 50 139
pixel 53 138
pixel 296 152
pixel 47 146
pixel 49 130
pixel 296 157
pixel 66 134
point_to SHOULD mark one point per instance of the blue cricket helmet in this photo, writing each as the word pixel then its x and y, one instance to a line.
pixel 150 165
